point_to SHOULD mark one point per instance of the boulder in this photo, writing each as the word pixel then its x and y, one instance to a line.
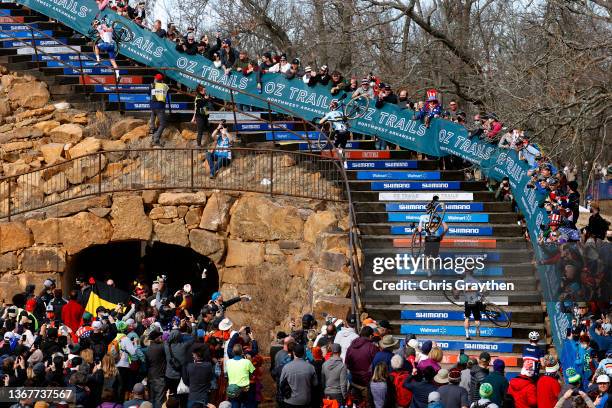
pixel 198 198
pixel 189 134
pixel 30 113
pixel 61 106
pixel 43 259
pixel 100 211
pixel 321 221
pixel 124 126
pixel 67 133
pixel 52 152
pixel 29 95
pixel 215 216
pixel 5 108
pixel 174 233
pixel 16 146
pixel 112 145
pixel 335 306
pixel 18 167
pixel 207 243
pixel 332 261
pixel 86 146
pixel 244 253
pixel 85 168
pixel 80 119
pixel 84 230
pixel 46 231
pixel 255 218
pixel 129 219
pixel 13 236
pixel 135 134
pixel 25 133
pixel 328 283
pixel 193 216
pixel 79 205
pixel 55 184
pixel 166 211
pixel 47 126
pixel 8 262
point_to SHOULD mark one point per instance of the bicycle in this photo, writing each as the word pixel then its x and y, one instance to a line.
pixel 356 108
pixel 494 313
pixel 435 212
pixel 121 32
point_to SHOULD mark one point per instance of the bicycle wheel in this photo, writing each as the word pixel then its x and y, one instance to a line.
pixel 323 141
pixel 496 315
pixel 418 243
pixel 453 296
pixel 436 218
pixel 122 32
pixel 356 107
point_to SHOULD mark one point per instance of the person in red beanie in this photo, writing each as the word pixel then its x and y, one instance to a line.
pixel 522 388
pixel 548 387
pixel 72 312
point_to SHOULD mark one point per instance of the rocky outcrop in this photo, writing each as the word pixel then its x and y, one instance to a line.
pixel 129 220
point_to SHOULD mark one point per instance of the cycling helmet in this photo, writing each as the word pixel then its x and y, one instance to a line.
pixel 333 104
pixel 534 336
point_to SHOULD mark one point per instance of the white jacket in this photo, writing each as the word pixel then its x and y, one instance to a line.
pixel 344 338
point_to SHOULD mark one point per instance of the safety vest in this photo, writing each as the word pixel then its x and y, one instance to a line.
pixel 159 92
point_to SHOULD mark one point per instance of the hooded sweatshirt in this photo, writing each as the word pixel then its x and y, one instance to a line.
pixel 548 389
pixel 344 338
pixel 359 358
pixel 177 349
pixel 333 377
pixel 523 390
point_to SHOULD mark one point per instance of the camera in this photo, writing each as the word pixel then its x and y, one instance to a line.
pixel 247 330
pixel 575 392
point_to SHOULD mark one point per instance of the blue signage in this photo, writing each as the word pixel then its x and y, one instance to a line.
pixel 25 34
pixel 486 271
pixel 42 43
pixel 355 144
pixel 257 126
pixel 280 135
pixel 17 27
pixel 471 346
pixel 62 57
pixel 129 97
pixel 122 88
pixel 145 106
pixel 414 217
pixel 435 315
pixel 382 164
pixel 93 71
pixel 452 230
pixel 450 207
pixel 76 64
pixel 398 175
pixel 425 185
pixel 454 330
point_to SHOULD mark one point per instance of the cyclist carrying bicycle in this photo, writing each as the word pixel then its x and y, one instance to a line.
pixel 106 44
pixel 473 305
pixel 430 223
pixel 339 127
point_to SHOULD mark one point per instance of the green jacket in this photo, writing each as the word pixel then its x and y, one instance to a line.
pixel 500 386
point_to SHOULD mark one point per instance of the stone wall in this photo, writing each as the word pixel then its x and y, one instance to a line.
pixel 290 255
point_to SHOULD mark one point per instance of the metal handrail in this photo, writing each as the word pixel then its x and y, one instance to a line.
pixel 354 237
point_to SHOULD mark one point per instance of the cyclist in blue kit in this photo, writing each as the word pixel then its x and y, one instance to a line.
pixel 430 223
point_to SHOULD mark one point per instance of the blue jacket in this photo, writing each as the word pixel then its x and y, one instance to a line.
pixel 604 342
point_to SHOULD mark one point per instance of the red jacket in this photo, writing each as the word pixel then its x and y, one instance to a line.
pixel 72 314
pixel 523 390
pixel 359 358
pixel 548 391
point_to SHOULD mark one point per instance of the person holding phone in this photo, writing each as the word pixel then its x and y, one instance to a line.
pixel 200 115
pixel 220 155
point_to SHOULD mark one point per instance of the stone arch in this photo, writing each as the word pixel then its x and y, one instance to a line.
pixel 127 261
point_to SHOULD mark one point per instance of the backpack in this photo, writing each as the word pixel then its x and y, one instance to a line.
pixel 114 348
pixel 403 396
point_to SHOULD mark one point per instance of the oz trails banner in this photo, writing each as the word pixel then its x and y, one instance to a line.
pixel 390 123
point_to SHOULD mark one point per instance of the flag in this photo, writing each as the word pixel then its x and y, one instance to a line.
pixel 104 295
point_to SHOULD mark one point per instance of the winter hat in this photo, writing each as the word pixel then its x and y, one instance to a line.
pixel 528 368
pixel 463 359
pixel 215 296
pixel 30 305
pixel 551 364
pixel 39 368
pixel 499 365
pixel 434 396
pixel 36 357
pixel 442 376
pixel 97 325
pixel 454 375
pixel 308 69
pixel 603 379
pixel 159 77
pixel 572 376
pixel 121 326
pixel 48 283
pixel 426 347
pixel 486 390
pixel 87 316
pixel 413 343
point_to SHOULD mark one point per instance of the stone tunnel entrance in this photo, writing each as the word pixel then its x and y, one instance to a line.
pixel 126 262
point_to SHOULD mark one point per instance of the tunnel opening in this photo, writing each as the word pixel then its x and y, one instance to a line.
pixel 138 261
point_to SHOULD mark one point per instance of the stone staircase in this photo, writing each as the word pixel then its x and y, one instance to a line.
pixel 389 190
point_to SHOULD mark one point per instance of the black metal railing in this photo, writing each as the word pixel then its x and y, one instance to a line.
pixel 17 200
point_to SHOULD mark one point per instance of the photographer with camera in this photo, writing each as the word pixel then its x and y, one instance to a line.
pixel 187 45
pixel 220 155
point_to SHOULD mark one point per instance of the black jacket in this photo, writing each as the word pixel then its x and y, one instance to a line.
pixel 477 375
pixel 197 376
